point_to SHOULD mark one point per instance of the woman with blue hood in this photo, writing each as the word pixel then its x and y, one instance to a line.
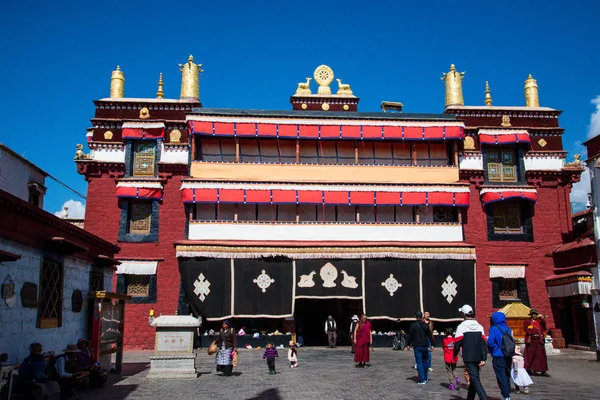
pixel 501 353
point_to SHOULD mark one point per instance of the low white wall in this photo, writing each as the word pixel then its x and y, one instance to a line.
pixel 18 325
pixel 543 163
pixel 174 154
pixel 108 153
pixel 384 233
pixel 470 161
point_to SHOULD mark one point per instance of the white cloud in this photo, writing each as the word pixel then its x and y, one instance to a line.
pixel 579 194
pixel 595 119
pixel 76 210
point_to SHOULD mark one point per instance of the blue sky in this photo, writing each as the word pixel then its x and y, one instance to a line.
pixel 58 56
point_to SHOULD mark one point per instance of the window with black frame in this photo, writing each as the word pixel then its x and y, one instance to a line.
pixel 510 220
pixel 502 164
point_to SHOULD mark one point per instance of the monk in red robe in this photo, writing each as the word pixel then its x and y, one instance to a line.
pixel 535 350
pixel 363 340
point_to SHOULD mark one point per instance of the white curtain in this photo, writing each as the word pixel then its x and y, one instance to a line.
pixel 286 212
pixel 266 212
pixel 425 214
pixel 246 212
pixel 384 214
pixel 226 212
pixel 346 213
pixel 307 212
pixel 325 213
pixel 205 212
pixel 404 214
pixel 367 213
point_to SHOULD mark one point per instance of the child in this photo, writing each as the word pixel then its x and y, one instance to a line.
pixel 293 354
pixel 450 360
pixel 271 355
pixel 519 375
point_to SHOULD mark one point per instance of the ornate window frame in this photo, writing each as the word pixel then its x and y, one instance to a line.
pixel 51 294
pixel 125 235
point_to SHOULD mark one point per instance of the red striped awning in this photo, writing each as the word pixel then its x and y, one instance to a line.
pixel 503 136
pixel 143 130
pixel 140 190
pixel 328 197
pixel 493 195
pixel 423 131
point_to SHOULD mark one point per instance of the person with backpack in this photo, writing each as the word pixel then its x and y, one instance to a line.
pixel 470 338
pixel 501 346
pixel 421 339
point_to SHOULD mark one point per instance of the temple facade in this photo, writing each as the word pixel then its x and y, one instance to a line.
pixel 283 217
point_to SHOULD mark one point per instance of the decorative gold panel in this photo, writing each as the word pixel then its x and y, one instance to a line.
pixel 140 217
pixel 144 159
pixel 138 285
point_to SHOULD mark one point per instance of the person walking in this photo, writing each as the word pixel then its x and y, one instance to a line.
pixel 421 340
pixel 428 321
pixel 331 331
pixel 470 338
pixel 227 344
pixel 352 329
pixel 450 360
pixel 535 356
pixel 501 352
pixel 271 355
pixel 363 340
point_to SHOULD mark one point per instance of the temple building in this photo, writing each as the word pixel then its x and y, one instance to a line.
pixel 280 218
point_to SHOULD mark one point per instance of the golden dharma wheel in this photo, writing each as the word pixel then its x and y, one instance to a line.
pixel 323 75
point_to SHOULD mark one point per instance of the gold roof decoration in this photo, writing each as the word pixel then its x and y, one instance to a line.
pixel 516 310
pixel 454 93
pixel 323 76
pixel 160 93
pixel 531 92
pixel 117 84
pixel 190 81
pixel 488 94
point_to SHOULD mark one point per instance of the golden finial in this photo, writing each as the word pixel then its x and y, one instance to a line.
pixel 159 93
pixel 190 82
pixel 531 92
pixel 454 94
pixel 117 84
pixel 488 94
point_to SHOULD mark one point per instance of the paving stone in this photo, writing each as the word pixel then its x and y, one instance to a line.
pixel 330 374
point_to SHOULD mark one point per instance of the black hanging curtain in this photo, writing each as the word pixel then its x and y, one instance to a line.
pixel 207 285
pixel 447 286
pixel 321 279
pixel 392 288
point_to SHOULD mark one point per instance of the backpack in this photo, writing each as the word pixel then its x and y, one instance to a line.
pixel 399 341
pixel 508 343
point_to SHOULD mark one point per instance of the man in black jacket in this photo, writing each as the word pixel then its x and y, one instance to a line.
pixel 421 339
pixel 470 337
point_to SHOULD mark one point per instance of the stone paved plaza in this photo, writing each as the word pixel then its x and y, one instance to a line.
pixel 330 374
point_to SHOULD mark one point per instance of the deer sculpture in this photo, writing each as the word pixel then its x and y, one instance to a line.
pixel 343 88
pixel 304 87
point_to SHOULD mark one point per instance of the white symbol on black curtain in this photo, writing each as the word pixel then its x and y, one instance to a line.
pixel 349 281
pixel 449 289
pixel 307 280
pixel 201 286
pixel 263 281
pixel 391 284
pixel 329 275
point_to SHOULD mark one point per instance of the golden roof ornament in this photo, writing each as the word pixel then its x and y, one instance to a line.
pixel 531 92
pixel 303 88
pixel 160 93
pixel 324 77
pixel 454 93
pixel 343 89
pixel 190 81
pixel 488 94
pixel 505 121
pixel 117 84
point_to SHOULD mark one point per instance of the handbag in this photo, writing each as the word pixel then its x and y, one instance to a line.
pixel 235 361
pixel 212 349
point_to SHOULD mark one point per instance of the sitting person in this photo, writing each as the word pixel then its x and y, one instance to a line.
pixel 64 370
pixel 33 379
pixel 86 362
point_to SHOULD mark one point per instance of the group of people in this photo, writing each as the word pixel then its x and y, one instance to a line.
pixel 61 375
pixel 470 341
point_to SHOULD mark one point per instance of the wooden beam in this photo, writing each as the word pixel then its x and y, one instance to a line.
pixel 413 150
pixel 454 153
pixel 297 150
pixel 237 150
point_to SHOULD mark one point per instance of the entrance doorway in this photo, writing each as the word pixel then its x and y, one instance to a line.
pixel 310 316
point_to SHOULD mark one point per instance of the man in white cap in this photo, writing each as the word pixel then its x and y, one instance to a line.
pixel 470 337
pixel 352 326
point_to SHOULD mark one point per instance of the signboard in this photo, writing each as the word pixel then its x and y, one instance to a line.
pixel 174 342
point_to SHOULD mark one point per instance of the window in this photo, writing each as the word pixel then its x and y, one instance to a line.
pixel 507 217
pixel 444 214
pixel 501 165
pixel 140 217
pixel 144 157
pixel 51 291
pixel 96 281
pixel 138 285
pixel 508 289
pixel 432 154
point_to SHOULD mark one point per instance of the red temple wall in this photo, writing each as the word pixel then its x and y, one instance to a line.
pixel 549 224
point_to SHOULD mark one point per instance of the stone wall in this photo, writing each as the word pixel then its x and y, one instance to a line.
pixel 19 324
pixel 15 174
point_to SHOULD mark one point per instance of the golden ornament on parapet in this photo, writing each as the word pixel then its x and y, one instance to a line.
pixel 505 121
pixel 79 154
pixel 325 106
pixel 144 113
pixel 108 135
pixel 303 88
pixel 304 106
pixel 324 77
pixel 542 142
pixel 343 89
pixel 469 143
pixel 175 136
pixel 346 107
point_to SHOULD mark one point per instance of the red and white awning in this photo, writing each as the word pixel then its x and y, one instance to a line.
pixel 507 271
pixel 140 190
pixel 329 129
pixel 492 195
pixel 143 130
pixel 503 136
pixel 202 192
pixel 137 267
pixel 573 284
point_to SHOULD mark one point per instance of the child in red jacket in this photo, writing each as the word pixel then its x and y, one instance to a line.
pixel 450 360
